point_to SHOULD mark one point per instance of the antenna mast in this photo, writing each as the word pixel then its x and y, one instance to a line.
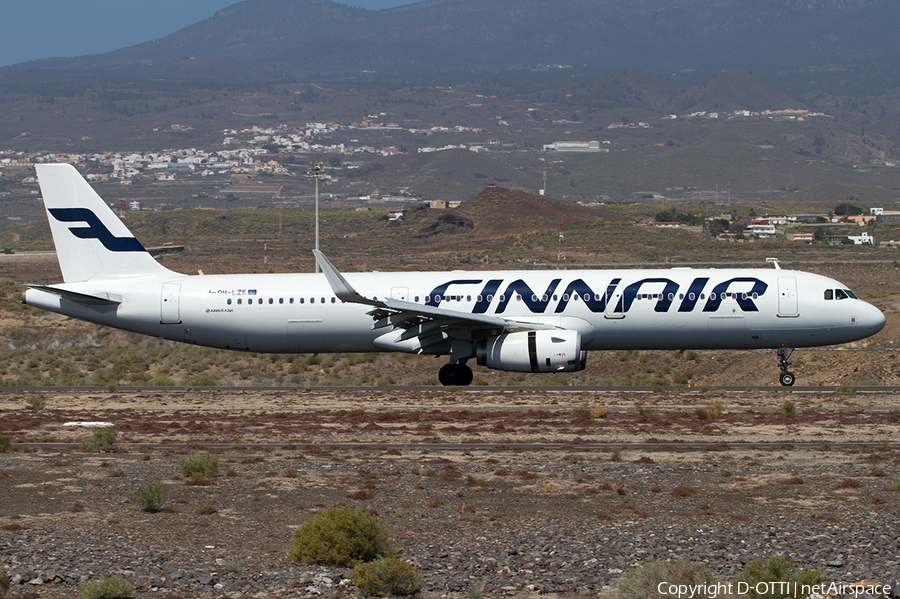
pixel 315 172
pixel 561 253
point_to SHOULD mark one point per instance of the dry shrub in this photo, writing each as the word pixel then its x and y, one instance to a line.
pixel 341 536
pixel 644 581
pixel 682 491
pixel 586 412
pixel 386 576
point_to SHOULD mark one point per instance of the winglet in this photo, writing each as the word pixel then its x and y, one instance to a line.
pixel 342 289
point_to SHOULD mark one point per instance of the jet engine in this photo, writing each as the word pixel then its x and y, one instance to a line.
pixel 533 351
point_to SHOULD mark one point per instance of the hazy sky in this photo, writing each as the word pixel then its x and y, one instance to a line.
pixel 32 29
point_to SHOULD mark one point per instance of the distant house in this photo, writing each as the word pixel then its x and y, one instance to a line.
pixel 396 214
pixel 862 239
pixel 761 230
pixel 575 146
pixel 802 237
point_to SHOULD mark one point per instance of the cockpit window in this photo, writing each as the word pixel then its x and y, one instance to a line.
pixel 840 294
pixel 829 294
pixel 850 293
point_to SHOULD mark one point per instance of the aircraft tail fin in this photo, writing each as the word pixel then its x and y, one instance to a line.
pixel 91 242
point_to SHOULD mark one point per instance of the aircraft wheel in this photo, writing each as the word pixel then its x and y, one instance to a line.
pixel 458 375
pixel 787 379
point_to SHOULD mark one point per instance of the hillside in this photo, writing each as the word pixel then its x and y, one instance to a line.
pixel 311 36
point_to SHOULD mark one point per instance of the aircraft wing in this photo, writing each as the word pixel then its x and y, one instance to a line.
pixel 430 325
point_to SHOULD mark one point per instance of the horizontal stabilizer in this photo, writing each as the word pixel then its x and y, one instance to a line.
pixel 79 298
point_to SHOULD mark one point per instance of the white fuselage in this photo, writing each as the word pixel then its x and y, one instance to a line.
pixel 612 309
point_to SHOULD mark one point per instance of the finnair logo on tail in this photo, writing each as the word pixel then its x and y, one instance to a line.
pixel 95 229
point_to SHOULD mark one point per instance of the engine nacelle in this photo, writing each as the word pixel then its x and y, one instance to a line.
pixel 533 351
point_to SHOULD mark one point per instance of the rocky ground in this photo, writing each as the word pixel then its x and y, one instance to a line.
pixel 487 494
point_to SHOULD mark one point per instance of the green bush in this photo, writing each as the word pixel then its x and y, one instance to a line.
pixel 644 581
pixel 36 402
pixel 5 441
pixel 100 441
pixel 106 588
pixel 200 464
pixel 788 409
pixel 341 536
pixel 778 568
pixel 150 497
pixel 386 576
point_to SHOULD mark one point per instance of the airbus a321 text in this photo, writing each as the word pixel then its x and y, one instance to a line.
pixel 522 321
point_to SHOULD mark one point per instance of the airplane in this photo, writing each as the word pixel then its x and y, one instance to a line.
pixel 520 321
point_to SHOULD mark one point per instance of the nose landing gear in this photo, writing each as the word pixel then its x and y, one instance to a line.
pixel 787 378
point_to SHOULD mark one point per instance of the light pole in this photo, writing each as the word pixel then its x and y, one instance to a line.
pixel 315 172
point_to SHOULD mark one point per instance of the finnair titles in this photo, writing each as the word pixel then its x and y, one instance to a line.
pixel 521 321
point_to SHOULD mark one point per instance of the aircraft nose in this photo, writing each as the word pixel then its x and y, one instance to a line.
pixel 873 319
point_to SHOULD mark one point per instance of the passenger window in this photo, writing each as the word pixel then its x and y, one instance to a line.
pixel 829 294
pixel 280 300
pixel 271 300
pixel 312 300
pixel 239 301
pixel 333 300
pixel 839 294
pixel 228 301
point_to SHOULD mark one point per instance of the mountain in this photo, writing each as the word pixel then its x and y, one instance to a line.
pixel 302 37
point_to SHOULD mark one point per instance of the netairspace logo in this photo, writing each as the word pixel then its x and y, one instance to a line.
pixel 781 589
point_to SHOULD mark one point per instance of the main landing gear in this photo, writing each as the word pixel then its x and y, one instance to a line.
pixel 458 375
pixel 787 378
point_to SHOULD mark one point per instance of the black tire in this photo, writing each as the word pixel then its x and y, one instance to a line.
pixel 456 375
pixel 787 379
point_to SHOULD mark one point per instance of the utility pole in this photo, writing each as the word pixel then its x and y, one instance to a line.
pixel 315 170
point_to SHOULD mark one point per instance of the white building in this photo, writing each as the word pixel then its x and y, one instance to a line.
pixel 575 146
pixel 761 230
pixel 862 239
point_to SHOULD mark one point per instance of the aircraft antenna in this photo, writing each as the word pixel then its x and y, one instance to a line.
pixel 561 253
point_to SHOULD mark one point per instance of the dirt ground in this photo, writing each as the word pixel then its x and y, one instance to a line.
pixel 518 493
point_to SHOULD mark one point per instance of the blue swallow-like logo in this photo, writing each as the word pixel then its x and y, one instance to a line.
pixel 95 230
